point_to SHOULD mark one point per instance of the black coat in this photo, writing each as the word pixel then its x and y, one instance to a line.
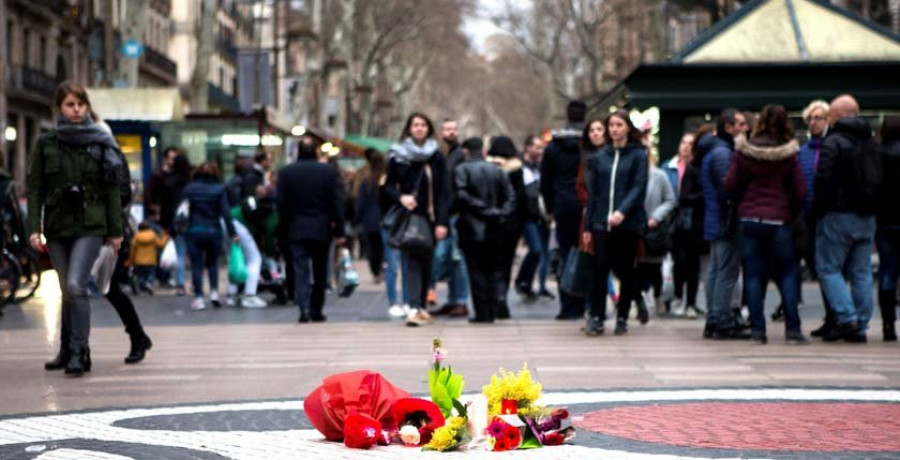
pixel 836 175
pixel 402 177
pixel 628 193
pixel 311 201
pixel 485 199
pixel 559 172
pixel 888 211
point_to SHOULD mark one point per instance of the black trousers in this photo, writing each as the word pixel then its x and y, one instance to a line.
pixel 418 277
pixel 508 246
pixel 122 303
pixel 485 264
pixel 614 252
pixel 567 223
pixel 686 252
pixel 310 260
pixel 649 275
pixel 375 252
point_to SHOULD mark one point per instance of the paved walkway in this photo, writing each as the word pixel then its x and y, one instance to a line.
pixel 228 383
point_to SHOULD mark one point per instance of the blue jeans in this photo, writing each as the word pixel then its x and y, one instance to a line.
pixel 537 258
pixel 761 243
pixel 395 265
pixel 182 251
pixel 204 246
pixel 844 243
pixel 724 268
pixel 449 264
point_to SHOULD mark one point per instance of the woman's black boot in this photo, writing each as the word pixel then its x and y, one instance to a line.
pixel 140 343
pixel 79 362
pixel 61 359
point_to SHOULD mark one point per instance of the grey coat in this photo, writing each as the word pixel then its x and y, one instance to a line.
pixel 660 200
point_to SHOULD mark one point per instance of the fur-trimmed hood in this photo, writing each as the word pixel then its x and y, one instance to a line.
pixel 764 149
pixel 508 165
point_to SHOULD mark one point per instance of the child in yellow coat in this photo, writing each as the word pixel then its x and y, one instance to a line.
pixel 145 247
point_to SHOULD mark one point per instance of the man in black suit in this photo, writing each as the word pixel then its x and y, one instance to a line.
pixel 484 198
pixel 311 207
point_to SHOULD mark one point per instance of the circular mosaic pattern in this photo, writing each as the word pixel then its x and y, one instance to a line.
pixel 758 426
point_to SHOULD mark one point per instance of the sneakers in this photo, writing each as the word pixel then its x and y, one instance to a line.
pixel 253 302
pixel 179 291
pixel 546 294
pixel 399 311
pixel 418 317
pixel 677 307
pixel 593 327
pixel 198 304
pixel 890 334
pixel 759 337
pixel 232 301
pixel 525 292
pixel 693 311
pixel 214 299
pixel 730 334
pixel 795 338
pixel 842 331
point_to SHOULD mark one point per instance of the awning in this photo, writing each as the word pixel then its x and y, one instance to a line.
pixel 137 104
pixel 377 143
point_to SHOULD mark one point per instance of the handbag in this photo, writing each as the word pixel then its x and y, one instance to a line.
pixel 169 257
pixel 412 233
pixel 658 241
pixel 578 272
pixel 182 217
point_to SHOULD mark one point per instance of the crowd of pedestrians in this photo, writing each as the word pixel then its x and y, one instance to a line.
pixel 763 205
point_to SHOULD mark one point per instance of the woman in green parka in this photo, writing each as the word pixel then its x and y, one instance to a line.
pixel 75 204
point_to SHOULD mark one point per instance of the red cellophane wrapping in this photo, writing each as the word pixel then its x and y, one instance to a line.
pixel 365 392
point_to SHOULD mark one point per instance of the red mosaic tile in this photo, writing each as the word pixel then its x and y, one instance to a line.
pixel 779 426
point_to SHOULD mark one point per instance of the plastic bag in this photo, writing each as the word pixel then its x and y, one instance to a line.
pixel 103 268
pixel 348 277
pixel 237 266
pixel 366 392
pixel 169 257
pixel 668 286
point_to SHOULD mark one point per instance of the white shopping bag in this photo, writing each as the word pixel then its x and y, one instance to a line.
pixel 169 257
pixel 103 268
pixel 668 287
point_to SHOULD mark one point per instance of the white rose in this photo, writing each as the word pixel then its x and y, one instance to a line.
pixel 410 435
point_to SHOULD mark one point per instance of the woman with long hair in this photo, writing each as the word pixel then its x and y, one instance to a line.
pixel 75 204
pixel 208 202
pixel 615 181
pixel 417 179
pixel 368 212
pixel 887 233
pixel 767 181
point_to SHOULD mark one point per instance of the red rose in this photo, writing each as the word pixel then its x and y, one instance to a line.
pixel 424 415
pixel 553 439
pixel 361 431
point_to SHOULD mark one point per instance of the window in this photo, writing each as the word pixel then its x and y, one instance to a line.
pixel 26 47
pixel 41 64
pixel 9 41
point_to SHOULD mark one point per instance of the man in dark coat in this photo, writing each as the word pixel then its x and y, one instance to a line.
pixel 559 172
pixel 310 199
pixel 484 197
pixel 848 175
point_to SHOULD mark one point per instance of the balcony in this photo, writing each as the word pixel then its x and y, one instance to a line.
pixel 160 65
pixel 226 48
pixel 218 97
pixel 33 83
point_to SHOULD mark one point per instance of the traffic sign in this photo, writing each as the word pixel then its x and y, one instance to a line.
pixel 132 49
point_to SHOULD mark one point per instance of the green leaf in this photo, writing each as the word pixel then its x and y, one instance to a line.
pixel 455 386
pixel 530 443
pixel 441 399
pixel 460 408
pixel 432 379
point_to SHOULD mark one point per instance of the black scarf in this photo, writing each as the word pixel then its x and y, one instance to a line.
pixel 100 143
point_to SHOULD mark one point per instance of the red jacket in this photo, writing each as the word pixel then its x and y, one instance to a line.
pixel 767 178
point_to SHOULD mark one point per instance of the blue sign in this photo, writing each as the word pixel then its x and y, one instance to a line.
pixel 132 49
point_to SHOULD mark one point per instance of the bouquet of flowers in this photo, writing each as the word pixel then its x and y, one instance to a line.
pixel 445 386
pixel 512 393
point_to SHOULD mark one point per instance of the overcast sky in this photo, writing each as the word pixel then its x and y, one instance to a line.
pixel 479 27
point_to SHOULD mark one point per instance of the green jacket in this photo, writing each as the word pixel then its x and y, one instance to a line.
pixel 57 167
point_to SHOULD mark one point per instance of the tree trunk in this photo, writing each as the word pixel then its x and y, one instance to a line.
pixel 205 46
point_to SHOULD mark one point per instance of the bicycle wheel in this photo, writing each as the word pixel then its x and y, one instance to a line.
pixel 9 278
pixel 30 276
